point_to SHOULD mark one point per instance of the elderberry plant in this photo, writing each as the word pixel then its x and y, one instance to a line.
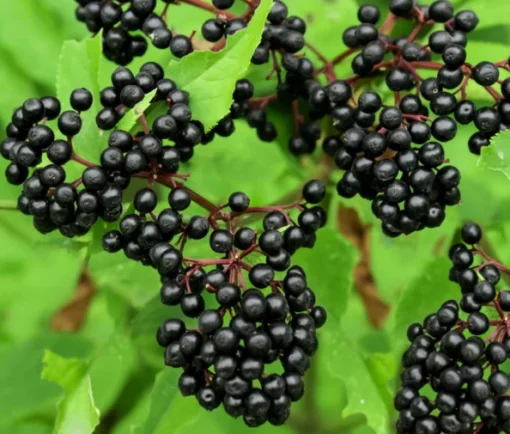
pixel 221 362
pixel 115 157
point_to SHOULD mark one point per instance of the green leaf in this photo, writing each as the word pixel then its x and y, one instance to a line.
pixel 23 392
pixel 32 269
pixel 388 255
pixel 424 295
pixel 496 156
pixel 131 117
pixel 329 269
pixel 210 77
pixel 349 371
pixel 64 15
pixel 79 67
pixel 151 316
pixel 110 369
pixel 77 412
pixel 163 398
pixel 322 16
pixel 233 163
pixel 20 87
pixel 29 427
pixel 125 277
pixel 32 38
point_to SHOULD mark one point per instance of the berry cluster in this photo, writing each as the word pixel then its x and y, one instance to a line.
pixel 282 33
pixel 176 125
pixel 58 203
pixel 393 154
pixel 391 151
pixel 453 380
pixel 274 320
pixel 122 41
pixel 128 25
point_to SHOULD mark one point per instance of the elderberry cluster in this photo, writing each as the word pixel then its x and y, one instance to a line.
pixel 122 21
pixel 282 33
pixel 73 206
pixel 453 379
pixel 393 155
pixel 46 196
pixel 272 320
pixel 176 125
pixel 215 29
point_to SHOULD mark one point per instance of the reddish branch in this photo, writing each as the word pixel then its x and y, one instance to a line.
pixel 209 7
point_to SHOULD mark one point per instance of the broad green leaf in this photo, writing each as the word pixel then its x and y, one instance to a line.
pixel 424 295
pixel 77 412
pixel 496 157
pixel 397 261
pixel 79 67
pixel 36 277
pixel 23 392
pixel 163 398
pixel 110 368
pixel 233 163
pixel 345 365
pixel 151 316
pixel 129 279
pixel 329 269
pixel 210 77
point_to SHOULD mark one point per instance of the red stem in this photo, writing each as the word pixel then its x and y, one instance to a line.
pixel 209 7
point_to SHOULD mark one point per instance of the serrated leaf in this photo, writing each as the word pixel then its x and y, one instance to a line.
pixel 210 77
pixel 79 67
pixel 129 120
pixel 23 392
pixel 346 370
pixel 77 412
pixel 496 157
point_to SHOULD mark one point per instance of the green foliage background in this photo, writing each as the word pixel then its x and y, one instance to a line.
pixel 108 377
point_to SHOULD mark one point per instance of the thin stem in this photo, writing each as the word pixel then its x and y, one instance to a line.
pixel 276 66
pixel 491 260
pixel 82 161
pixel 8 205
pixel 342 56
pixel 416 31
pixel 262 102
pixel 209 7
pixel 143 121
pixel 328 66
pixel 388 25
pixel 206 262
pixel 298 118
